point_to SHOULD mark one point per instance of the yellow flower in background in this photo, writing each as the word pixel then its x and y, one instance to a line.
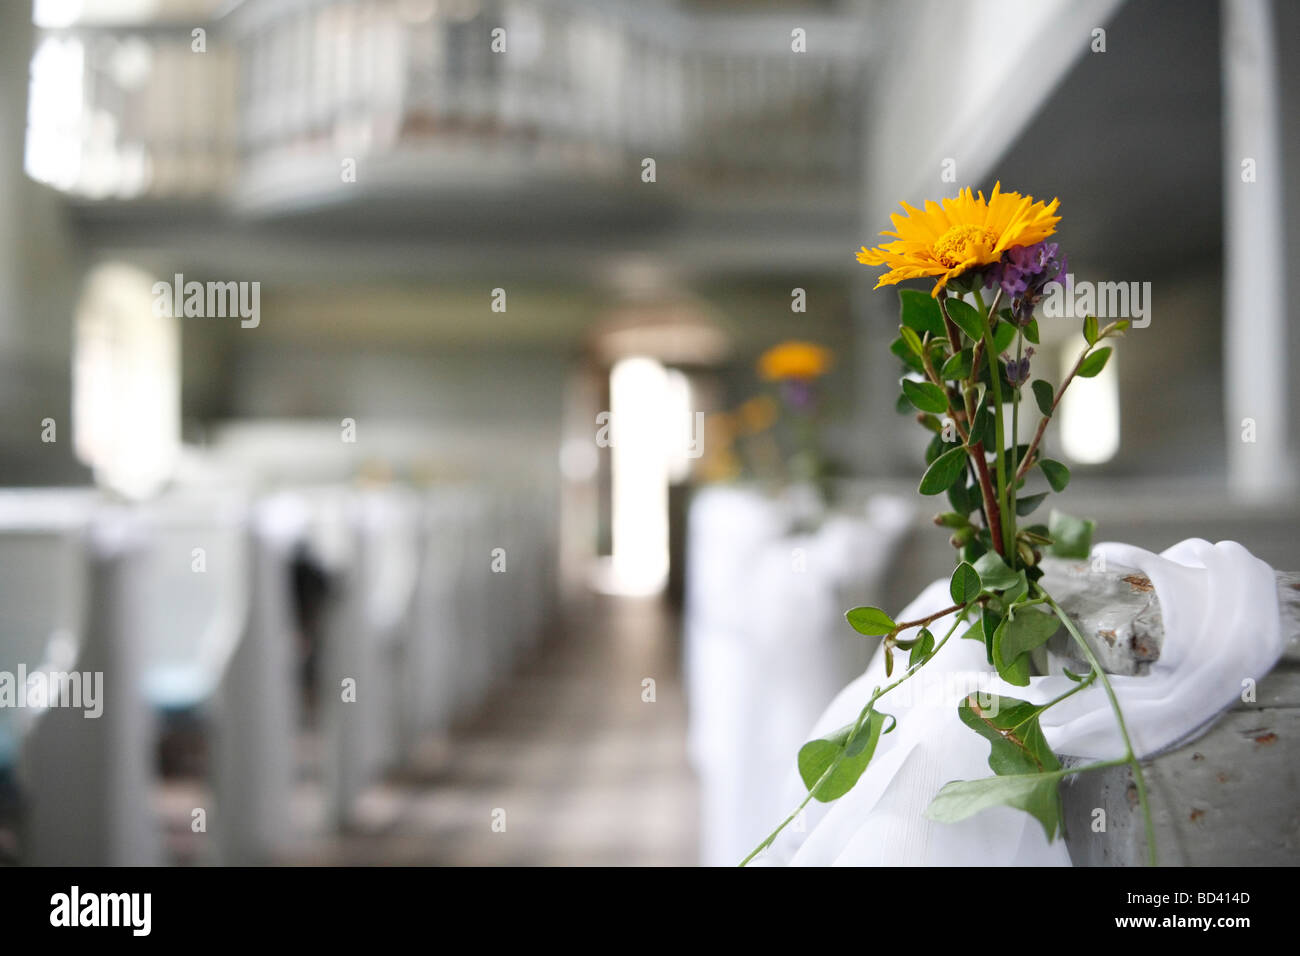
pixel 959 234
pixel 720 462
pixel 757 415
pixel 798 360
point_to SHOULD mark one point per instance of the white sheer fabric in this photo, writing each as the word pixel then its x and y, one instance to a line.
pixel 766 645
pixel 1222 627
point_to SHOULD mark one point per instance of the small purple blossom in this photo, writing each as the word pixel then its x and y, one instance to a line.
pixel 798 393
pixel 1022 273
pixel 1018 369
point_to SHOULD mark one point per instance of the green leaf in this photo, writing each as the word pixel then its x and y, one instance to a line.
pixel 1090 329
pixel 1028 772
pixel 994 573
pixel 1094 363
pixel 1011 727
pixel 1027 503
pixel 817 756
pixel 1017 591
pixel 957 368
pixel 926 396
pixel 967 318
pixel 1012 669
pixel 1023 632
pixel 922 649
pixel 1071 537
pixel 921 312
pixel 1044 394
pixel 1003 336
pixel 944 471
pixel 902 405
pixel 965 584
pixel 1031 331
pixel 871 621
pixel 985 426
pixel 908 357
pixel 1057 475
pixel 912 340
pixel 989 621
pixel 959 496
pixel 1038 794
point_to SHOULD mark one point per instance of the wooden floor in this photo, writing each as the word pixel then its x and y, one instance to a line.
pixel 586 771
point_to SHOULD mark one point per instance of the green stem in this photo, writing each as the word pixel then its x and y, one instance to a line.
pixel 1015 406
pixel 1008 530
pixel 1081 685
pixel 875 696
pixel 1130 758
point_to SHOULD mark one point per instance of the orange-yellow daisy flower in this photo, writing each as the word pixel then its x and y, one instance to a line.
pixel 959 234
pixel 802 360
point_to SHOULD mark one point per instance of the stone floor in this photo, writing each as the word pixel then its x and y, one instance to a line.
pixel 586 772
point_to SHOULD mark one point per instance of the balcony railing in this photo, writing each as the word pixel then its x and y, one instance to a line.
pixel 458 88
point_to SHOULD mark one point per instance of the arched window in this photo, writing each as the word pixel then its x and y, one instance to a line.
pixel 126 383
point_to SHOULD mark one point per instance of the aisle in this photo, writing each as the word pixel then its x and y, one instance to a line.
pixel 585 770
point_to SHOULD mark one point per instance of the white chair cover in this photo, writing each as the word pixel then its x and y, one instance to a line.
pixel 766 645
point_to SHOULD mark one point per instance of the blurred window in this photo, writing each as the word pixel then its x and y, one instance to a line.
pixel 126 383
pixel 1089 410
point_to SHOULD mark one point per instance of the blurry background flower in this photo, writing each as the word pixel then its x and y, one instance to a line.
pixel 756 415
pixel 794 360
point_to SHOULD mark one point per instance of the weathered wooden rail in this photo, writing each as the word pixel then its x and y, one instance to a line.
pixel 1230 797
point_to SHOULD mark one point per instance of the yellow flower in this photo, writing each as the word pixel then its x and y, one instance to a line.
pixel 757 415
pixel 960 234
pixel 802 360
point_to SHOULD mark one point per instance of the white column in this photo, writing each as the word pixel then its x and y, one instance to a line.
pixel 1254 327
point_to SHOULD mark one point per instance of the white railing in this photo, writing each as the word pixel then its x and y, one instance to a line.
pixel 577 89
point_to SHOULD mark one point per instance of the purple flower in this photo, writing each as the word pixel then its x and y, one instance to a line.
pixel 1022 273
pixel 798 393
pixel 1018 370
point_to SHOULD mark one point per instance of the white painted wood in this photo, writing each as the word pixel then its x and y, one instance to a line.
pixel 89 780
pixel 1255 275
pixel 257 712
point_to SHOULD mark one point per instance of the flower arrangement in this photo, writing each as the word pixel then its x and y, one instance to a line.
pixel 775 437
pixel 795 368
pixel 968 360
pixel 730 438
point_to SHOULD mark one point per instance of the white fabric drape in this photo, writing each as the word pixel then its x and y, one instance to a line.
pixel 766 645
pixel 1222 628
